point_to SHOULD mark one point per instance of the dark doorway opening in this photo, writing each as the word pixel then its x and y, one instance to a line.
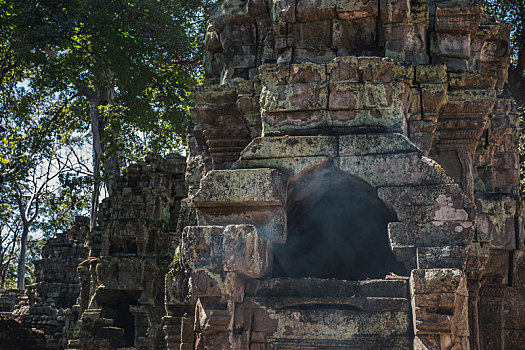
pixel 337 228
pixel 115 305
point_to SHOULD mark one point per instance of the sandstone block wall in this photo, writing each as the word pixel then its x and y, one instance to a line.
pixel 311 105
pixel 352 183
pixel 121 300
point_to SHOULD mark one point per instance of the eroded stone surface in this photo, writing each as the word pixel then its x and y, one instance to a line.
pixel 311 110
pixel 400 101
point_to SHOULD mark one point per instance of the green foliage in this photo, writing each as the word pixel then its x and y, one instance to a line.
pixel 72 72
pixel 137 59
pixel 60 207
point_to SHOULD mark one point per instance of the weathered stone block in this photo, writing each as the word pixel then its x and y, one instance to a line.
pixel 274 73
pixel 431 234
pixel 394 169
pixel 205 283
pixel 201 247
pixel 358 37
pixel 458 19
pixel 306 73
pixel 312 10
pixel 376 69
pixel 367 120
pixel 369 144
pixel 307 55
pixel 394 11
pixel 345 95
pixel 432 322
pixel 430 281
pixel 441 257
pixel 455 45
pixel 416 43
pixel 294 97
pixel 431 73
pixel 494 50
pixel 395 37
pixel 438 204
pixel 339 324
pixel 293 122
pixel 405 254
pixel 287 166
pixel 314 37
pixel 245 251
pixel 344 68
pixel 253 187
pixel 445 300
pixel 354 9
pixel 283 10
pixel 186 330
pixel 433 97
pixel 427 342
pixel 496 221
pixel 290 146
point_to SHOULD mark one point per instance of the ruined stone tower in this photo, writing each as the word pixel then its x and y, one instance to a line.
pixel 354 175
pixel 121 301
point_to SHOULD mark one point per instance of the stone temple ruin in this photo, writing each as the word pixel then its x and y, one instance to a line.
pixel 352 184
pixel 358 185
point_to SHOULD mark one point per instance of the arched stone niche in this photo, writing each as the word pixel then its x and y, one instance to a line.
pixel 337 227
pixel 245 214
pixel 435 220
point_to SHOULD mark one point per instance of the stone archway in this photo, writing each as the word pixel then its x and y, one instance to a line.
pixel 337 228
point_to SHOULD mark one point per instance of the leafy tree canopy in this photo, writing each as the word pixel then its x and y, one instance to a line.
pixel 113 74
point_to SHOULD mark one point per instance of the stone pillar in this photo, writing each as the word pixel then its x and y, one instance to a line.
pixel 478 254
pixel 218 260
pixel 439 309
pixel 492 294
pixel 514 311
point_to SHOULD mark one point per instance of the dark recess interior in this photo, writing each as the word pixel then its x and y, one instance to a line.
pixel 337 228
pixel 118 310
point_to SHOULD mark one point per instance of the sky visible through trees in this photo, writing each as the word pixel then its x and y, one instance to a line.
pixel 89 86
pixel 107 80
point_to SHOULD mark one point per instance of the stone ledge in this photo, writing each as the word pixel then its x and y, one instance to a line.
pixel 243 187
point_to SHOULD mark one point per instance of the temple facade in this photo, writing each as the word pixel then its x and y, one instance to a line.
pixel 354 173
pixel 352 183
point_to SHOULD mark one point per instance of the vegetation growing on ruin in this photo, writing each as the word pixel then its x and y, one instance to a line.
pixel 82 79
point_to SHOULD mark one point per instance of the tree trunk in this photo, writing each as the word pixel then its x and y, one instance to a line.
pixel 3 267
pixel 21 270
pixel 105 164
pixel 96 132
pixel 96 192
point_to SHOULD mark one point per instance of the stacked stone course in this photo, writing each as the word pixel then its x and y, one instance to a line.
pixel 38 319
pixel 353 183
pixel 395 104
pixel 121 300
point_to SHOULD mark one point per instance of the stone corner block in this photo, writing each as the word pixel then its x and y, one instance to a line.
pixel 201 247
pixel 246 251
pixel 431 281
pixel 242 187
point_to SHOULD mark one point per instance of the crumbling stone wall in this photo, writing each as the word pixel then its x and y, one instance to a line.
pixel 40 314
pixel 405 97
pixel 8 300
pixel 121 300
pixel 56 274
